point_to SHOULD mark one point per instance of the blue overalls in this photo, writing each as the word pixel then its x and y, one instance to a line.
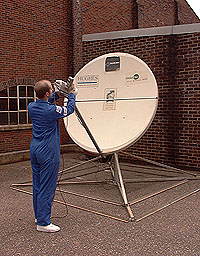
pixel 45 152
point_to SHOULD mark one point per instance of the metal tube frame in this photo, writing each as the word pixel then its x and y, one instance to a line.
pixel 117 176
pixel 120 182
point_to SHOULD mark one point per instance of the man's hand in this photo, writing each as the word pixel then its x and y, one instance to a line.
pixel 62 86
pixel 56 89
pixel 73 89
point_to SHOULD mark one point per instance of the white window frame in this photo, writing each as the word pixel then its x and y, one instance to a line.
pixel 18 111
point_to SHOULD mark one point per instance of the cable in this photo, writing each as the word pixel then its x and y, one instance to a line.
pixel 59 189
pixel 58 183
pixel 108 162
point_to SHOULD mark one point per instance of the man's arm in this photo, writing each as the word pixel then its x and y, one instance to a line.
pixel 53 98
pixel 70 104
pixel 58 112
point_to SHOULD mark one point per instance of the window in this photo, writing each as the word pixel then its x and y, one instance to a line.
pixel 14 104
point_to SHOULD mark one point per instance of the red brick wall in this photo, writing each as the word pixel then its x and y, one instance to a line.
pixel 187 99
pixel 155 13
pixel 114 15
pixel 77 35
pixel 185 13
pixel 35 39
pixel 158 13
pixel 173 137
pixel 35 43
pixel 106 15
pixel 15 140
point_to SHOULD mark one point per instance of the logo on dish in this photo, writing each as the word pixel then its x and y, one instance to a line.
pixel 88 80
pixel 110 96
pixel 136 76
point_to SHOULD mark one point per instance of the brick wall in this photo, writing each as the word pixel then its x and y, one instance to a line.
pixel 155 13
pixel 185 13
pixel 115 15
pixel 15 140
pixel 164 13
pixel 77 35
pixel 36 43
pixel 187 99
pixel 35 39
pixel 173 137
pixel 107 15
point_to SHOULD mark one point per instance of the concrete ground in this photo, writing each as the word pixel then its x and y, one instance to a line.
pixel 174 230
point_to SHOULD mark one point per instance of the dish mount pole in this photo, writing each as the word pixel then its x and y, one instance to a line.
pixel 119 180
pixel 88 131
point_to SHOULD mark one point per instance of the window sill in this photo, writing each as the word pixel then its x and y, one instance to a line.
pixel 15 127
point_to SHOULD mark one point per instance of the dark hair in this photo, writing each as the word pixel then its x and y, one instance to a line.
pixel 41 87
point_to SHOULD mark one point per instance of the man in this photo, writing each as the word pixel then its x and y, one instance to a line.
pixel 45 150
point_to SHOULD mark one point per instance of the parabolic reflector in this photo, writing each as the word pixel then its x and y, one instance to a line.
pixel 117 98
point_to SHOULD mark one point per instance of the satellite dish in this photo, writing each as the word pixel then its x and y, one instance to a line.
pixel 117 98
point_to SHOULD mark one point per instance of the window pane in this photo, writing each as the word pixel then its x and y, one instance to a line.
pixel 3 104
pixel 3 118
pixel 22 118
pixel 22 91
pixel 13 118
pixel 3 93
pixel 13 91
pixel 30 91
pixel 22 104
pixel 13 104
pixel 30 100
pixel 29 119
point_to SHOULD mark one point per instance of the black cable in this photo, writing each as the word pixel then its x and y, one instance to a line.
pixel 107 162
pixel 58 184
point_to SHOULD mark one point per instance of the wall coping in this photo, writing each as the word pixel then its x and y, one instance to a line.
pixel 24 155
pixel 15 127
pixel 154 31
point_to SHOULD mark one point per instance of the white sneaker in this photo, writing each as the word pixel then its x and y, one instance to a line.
pixel 49 228
pixel 35 220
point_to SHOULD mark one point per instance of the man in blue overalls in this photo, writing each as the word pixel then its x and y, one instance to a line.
pixel 45 150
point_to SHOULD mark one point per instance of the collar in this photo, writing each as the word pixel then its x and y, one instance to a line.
pixel 42 101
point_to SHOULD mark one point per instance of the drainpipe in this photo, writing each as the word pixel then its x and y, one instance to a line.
pixel 77 35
